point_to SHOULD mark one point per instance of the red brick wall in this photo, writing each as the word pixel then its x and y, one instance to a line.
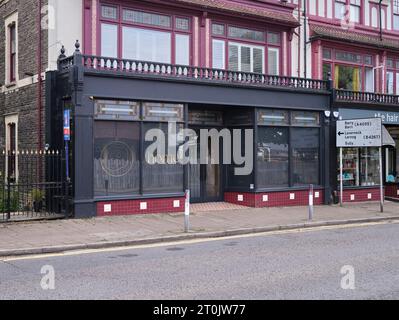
pixel 140 206
pixel 359 195
pixel 392 191
pixel 274 199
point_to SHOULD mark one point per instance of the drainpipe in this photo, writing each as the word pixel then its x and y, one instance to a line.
pixel 299 37
pixel 305 64
pixel 39 74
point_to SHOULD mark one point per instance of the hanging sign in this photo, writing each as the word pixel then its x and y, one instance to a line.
pixel 67 125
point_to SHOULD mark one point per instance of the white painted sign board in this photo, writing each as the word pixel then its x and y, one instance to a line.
pixel 359 133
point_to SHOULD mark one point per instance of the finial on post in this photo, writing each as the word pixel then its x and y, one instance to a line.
pixel 62 53
pixel 77 46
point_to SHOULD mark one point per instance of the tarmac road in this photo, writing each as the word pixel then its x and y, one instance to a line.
pixel 303 264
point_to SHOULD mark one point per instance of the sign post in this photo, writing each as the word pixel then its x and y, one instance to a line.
pixel 360 133
pixel 341 179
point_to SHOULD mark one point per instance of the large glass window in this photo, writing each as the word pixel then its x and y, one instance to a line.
pixel 273 157
pixel 288 152
pixel 116 158
pixel 119 161
pixel 305 156
pixel 166 175
pixel 145 36
pixel 392 76
pixel 396 15
pixel 13 52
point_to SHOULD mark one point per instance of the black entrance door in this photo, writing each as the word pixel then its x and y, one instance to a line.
pixel 205 179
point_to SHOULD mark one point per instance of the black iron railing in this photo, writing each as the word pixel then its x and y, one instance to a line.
pixel 166 70
pixel 33 185
pixel 365 97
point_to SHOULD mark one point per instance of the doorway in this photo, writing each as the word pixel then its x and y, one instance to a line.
pixel 205 180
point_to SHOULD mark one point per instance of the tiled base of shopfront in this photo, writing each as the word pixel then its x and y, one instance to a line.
pixel 246 199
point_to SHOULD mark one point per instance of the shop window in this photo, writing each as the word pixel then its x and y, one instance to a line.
pixel 350 166
pixel 360 167
pixel 369 166
pixel 166 175
pixel 273 157
pixel 116 110
pixel 116 158
pixel 273 117
pixel 305 156
pixel 305 119
pixel 162 112
pixel 119 162
pixel 288 152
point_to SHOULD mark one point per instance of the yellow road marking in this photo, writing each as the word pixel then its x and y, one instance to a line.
pixel 194 241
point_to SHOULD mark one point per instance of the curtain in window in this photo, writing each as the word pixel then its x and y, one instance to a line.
pixel 356 79
pixel 336 77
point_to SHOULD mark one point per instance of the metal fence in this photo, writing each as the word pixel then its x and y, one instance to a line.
pixel 33 185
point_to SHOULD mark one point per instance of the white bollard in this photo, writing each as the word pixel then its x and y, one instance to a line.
pixel 187 212
pixel 311 209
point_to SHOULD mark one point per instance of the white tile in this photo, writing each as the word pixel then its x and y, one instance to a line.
pixel 107 208
pixel 265 198
pixel 143 205
pixel 369 196
pixel 292 196
pixel 317 194
pixel 240 198
pixel 176 204
pixel 352 197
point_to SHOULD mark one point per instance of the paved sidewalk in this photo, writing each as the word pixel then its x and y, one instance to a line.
pixel 63 235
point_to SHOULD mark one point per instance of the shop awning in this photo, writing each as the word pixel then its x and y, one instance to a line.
pixel 387 140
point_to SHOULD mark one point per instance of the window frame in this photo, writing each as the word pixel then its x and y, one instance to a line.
pixel 139 119
pixel 333 61
pixel 290 126
pixel 12 58
pixel 265 44
pixel 395 70
pixel 120 23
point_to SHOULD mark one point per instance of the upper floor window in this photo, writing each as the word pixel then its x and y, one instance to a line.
pixel 12 51
pixel 392 76
pixel 348 9
pixel 10 37
pixel 396 15
pixel 247 50
pixel 350 71
pixel 148 36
